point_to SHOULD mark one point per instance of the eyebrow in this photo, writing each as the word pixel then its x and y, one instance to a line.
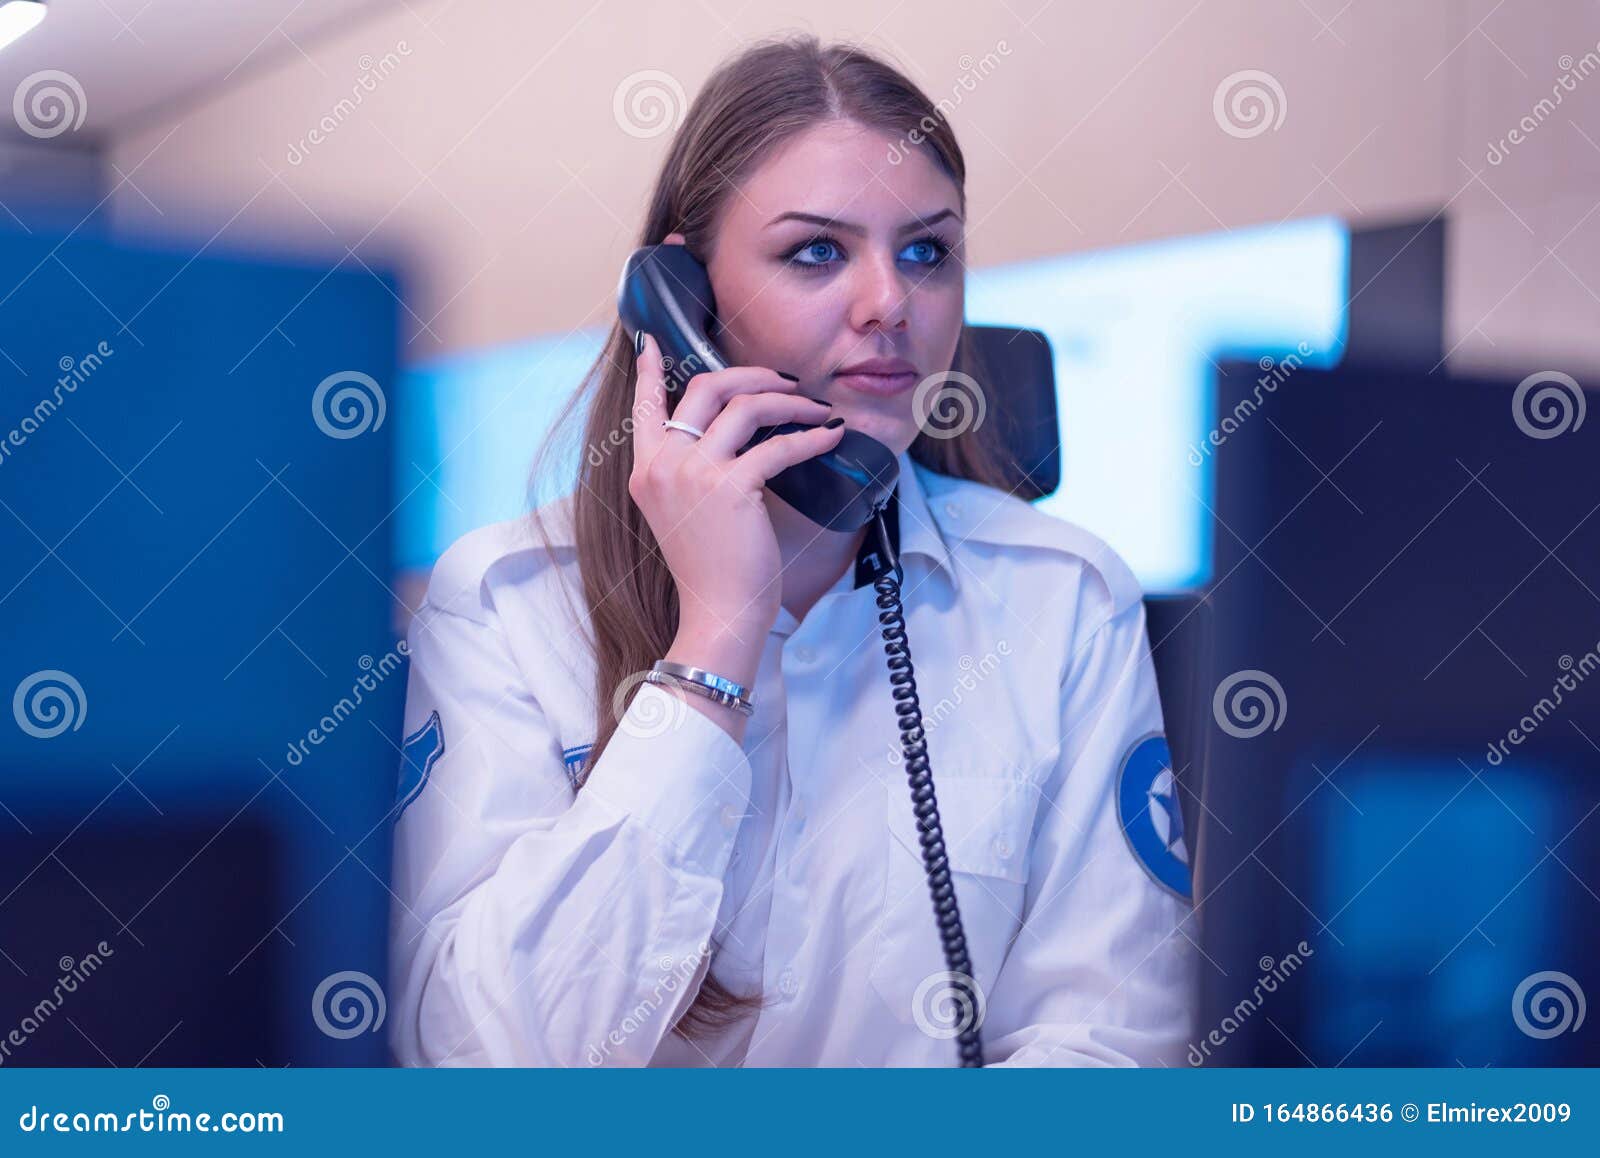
pixel 851 227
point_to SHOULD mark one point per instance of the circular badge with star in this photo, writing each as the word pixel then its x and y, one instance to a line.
pixel 1152 821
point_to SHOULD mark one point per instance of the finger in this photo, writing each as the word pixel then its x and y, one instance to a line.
pixel 649 402
pixel 743 414
pixel 782 451
pixel 706 394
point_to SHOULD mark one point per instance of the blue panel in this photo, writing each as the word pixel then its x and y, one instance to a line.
pixel 194 566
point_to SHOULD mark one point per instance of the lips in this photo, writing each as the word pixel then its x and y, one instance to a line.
pixel 879 375
pixel 883 366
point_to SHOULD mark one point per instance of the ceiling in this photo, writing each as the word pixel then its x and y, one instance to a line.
pixel 131 58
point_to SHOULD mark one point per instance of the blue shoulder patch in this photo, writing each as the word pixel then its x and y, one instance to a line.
pixel 421 751
pixel 1152 821
pixel 574 759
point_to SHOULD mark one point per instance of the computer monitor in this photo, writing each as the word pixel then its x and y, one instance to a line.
pixel 1398 862
pixel 194 562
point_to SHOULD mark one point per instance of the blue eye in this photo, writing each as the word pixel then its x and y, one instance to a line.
pixel 817 250
pixel 932 251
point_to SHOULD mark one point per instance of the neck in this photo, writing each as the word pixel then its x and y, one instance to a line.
pixel 813 557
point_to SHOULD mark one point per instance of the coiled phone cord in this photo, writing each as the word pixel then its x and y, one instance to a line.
pixel 924 805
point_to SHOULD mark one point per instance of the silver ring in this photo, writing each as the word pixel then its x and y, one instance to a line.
pixel 674 424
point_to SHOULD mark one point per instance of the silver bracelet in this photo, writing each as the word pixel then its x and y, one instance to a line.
pixel 716 688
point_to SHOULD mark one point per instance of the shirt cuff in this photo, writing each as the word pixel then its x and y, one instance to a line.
pixel 678 773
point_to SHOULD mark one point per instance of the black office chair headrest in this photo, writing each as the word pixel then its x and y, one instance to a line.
pixel 1015 371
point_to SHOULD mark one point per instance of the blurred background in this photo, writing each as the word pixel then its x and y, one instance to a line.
pixel 292 291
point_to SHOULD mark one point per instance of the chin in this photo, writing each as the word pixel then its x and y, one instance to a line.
pixel 896 435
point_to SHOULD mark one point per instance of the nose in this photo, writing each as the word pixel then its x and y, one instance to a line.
pixel 879 294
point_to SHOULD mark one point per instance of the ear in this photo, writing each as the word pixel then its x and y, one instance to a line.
pixel 673 238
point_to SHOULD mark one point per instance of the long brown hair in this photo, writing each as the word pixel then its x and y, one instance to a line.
pixel 752 104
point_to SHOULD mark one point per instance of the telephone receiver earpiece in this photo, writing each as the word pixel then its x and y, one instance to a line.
pixel 666 292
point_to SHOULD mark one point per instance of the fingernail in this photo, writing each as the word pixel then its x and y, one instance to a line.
pixel 638 343
pixel 834 423
pixel 822 402
pixel 786 377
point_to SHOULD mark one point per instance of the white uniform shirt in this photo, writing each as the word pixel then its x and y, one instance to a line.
pixel 533 926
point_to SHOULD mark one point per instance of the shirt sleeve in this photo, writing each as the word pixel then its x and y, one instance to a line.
pixel 530 926
pixel 1103 971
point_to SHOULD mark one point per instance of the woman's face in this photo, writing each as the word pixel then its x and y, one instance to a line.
pixel 829 256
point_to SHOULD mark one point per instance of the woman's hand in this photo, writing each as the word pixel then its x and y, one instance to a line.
pixel 705 502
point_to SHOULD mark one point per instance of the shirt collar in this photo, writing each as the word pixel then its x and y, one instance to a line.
pixel 912 531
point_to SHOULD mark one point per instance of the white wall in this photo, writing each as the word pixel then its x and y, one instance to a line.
pixel 487 150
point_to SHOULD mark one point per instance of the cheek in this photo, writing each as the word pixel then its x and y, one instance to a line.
pixel 773 323
pixel 942 315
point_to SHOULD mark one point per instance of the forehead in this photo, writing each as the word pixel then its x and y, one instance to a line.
pixel 846 169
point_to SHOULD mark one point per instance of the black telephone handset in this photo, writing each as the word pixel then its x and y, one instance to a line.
pixel 666 292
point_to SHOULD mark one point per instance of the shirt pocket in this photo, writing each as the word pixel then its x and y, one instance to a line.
pixel 988 825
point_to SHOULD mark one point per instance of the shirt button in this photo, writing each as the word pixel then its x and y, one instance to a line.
pixel 731 816
pixel 953 510
pixel 1002 848
pixel 788 983
pixel 804 654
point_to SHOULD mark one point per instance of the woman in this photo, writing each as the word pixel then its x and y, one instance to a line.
pixel 592 869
